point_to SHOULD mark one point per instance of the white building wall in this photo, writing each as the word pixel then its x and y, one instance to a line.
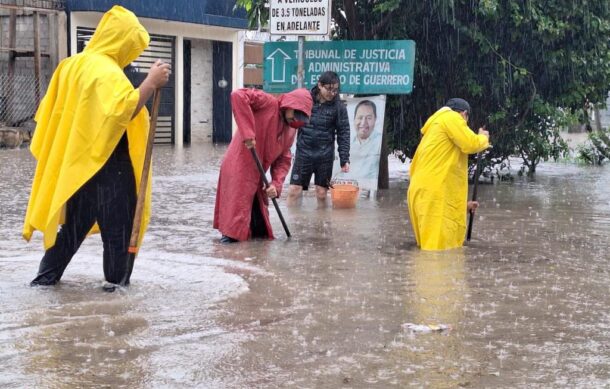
pixel 181 31
pixel 201 91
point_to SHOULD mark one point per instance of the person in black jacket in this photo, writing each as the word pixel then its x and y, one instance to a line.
pixel 315 151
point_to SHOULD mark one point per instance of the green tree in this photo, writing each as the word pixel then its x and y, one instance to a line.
pixel 521 64
pixel 515 61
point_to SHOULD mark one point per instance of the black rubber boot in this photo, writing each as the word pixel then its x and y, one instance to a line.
pixel 41 281
pixel 227 239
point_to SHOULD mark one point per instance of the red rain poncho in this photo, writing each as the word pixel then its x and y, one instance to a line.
pixel 258 116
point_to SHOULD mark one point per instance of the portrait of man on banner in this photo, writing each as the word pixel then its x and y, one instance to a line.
pixel 366 115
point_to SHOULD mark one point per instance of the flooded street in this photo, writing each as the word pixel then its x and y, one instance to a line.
pixel 526 304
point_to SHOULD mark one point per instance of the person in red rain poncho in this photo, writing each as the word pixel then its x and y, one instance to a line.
pixel 269 124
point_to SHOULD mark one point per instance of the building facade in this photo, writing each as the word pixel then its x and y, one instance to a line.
pixel 204 42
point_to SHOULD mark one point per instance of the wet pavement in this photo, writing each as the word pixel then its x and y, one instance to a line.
pixel 525 304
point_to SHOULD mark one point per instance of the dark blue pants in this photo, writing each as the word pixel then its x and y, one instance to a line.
pixel 108 198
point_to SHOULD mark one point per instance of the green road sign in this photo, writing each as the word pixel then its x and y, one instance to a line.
pixel 365 67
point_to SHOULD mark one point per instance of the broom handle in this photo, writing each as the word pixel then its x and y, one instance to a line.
pixel 474 196
pixel 137 219
pixel 259 165
pixel 477 174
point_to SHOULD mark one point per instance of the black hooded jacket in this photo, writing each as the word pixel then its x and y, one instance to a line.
pixel 316 140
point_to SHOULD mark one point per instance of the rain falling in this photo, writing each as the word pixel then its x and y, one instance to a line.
pixel 348 301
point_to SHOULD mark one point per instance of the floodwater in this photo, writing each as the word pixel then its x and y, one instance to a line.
pixel 526 304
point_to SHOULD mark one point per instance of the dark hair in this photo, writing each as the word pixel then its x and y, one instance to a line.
pixel 458 105
pixel 367 103
pixel 329 78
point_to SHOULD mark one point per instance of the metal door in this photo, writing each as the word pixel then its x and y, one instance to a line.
pixel 222 69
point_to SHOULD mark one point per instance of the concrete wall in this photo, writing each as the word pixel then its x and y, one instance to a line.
pixel 201 90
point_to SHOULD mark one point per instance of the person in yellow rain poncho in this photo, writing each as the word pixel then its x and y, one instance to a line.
pixel 438 187
pixel 89 143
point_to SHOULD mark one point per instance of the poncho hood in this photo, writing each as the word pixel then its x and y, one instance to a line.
pixel 299 99
pixel 120 36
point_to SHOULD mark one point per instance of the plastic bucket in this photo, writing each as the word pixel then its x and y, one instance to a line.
pixel 344 195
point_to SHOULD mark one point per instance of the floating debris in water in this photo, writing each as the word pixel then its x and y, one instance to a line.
pixel 426 327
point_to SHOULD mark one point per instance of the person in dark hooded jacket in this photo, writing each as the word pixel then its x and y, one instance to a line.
pixel 315 150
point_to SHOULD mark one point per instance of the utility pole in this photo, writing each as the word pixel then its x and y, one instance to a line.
pixel 300 70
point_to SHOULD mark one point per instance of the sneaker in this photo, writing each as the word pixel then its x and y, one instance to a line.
pixel 227 239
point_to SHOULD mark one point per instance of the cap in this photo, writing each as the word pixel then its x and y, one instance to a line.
pixel 458 104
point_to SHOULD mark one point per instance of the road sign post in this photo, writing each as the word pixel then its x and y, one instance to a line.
pixel 300 70
pixel 288 17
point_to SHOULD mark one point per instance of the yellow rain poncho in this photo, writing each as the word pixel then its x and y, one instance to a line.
pixel 438 187
pixel 87 108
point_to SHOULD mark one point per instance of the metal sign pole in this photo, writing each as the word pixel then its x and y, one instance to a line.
pixel 300 70
pixel 289 18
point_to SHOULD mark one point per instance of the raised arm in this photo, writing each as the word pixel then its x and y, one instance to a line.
pixel 157 77
pixel 463 137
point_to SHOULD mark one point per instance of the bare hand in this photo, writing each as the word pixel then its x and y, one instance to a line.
pixel 472 206
pixel 250 143
pixel 158 75
pixel 345 168
pixel 483 131
pixel 271 191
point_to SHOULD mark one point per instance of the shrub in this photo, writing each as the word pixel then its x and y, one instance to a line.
pixel 596 149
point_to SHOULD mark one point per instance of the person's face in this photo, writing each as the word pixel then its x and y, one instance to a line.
pixel 364 119
pixel 328 91
pixel 289 117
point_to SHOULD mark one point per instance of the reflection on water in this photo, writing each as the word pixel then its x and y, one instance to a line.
pixel 95 339
pixel 526 300
pixel 438 297
pixel 439 286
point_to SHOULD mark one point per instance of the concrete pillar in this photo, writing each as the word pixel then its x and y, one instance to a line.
pixel 179 90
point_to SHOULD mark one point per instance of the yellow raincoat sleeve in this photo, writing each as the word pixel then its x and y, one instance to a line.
pixel 463 137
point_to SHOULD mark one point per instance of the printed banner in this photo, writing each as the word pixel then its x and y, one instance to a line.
pixel 366 115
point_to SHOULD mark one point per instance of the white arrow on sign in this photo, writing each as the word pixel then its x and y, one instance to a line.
pixel 278 68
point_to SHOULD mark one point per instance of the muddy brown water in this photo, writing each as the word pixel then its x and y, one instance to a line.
pixel 526 302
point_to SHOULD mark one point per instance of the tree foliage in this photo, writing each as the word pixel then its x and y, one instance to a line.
pixel 521 64
pixel 596 150
pixel 258 12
